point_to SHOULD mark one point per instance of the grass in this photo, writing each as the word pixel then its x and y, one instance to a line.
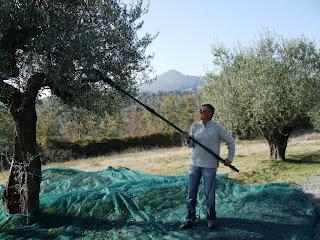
pixel 4 177
pixel 303 161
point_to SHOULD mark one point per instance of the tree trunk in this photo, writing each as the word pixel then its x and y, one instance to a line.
pixel 21 194
pixel 281 147
pixel 278 142
pixel 273 151
pixel 79 133
pixel 1 163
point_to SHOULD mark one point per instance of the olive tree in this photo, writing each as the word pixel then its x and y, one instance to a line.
pixel 56 45
pixel 267 88
pixel 315 117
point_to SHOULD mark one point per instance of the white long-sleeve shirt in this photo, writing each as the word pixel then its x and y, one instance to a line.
pixel 210 135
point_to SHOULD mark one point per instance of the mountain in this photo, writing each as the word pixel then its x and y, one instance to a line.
pixel 173 80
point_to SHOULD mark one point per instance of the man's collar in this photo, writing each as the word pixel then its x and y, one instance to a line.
pixel 208 123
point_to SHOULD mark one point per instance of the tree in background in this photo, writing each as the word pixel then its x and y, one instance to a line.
pixel 131 121
pixel 168 109
pixel 188 110
pixel 56 45
pixel 315 117
pixel 267 88
pixel 179 108
pixel 6 128
pixel 60 121
pixel 47 121
pixel 6 137
pixel 71 122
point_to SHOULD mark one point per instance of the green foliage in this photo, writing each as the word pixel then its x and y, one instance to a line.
pixel 6 128
pixel 179 108
pixel 267 88
pixel 66 41
pixel 63 150
pixel 74 122
pixel 47 123
pixel 6 138
pixel 315 117
pixel 57 45
pixel 58 120
pixel 64 123
pixel 130 119
pixel 60 45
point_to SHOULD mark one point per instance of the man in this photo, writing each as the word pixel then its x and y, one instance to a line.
pixel 209 133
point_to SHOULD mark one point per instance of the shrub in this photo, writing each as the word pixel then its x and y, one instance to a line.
pixel 55 149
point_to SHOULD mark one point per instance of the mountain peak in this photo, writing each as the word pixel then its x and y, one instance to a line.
pixel 172 71
pixel 170 74
pixel 172 80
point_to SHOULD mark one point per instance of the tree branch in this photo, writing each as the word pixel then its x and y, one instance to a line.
pixel 34 84
pixel 8 93
pixel 65 92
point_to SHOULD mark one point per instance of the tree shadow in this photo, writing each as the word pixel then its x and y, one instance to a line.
pixel 246 229
pixel 53 226
pixel 265 229
pixel 311 158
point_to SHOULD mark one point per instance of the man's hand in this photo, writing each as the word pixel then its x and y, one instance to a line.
pixel 227 162
pixel 186 135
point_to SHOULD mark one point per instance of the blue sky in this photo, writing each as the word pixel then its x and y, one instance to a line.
pixel 188 28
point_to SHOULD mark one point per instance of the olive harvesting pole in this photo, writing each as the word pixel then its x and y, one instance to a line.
pixel 111 83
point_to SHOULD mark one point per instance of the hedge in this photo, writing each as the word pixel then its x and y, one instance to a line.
pixel 56 149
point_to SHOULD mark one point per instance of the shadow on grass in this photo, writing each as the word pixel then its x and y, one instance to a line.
pixel 310 158
pixel 56 226
pixel 52 226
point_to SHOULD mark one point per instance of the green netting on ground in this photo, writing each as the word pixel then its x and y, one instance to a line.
pixel 125 204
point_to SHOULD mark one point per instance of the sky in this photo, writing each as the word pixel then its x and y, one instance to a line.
pixel 188 28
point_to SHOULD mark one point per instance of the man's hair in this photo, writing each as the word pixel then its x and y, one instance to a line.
pixel 209 106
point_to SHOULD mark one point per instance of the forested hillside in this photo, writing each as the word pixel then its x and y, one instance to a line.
pixel 60 122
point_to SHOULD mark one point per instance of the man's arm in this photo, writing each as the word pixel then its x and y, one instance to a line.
pixel 228 139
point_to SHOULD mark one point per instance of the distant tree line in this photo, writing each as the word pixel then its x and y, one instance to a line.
pixel 59 121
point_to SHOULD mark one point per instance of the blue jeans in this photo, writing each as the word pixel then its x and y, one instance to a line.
pixel 209 178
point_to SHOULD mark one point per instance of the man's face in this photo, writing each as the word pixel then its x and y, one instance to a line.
pixel 205 114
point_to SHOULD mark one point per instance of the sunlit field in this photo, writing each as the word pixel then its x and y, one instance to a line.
pixel 252 159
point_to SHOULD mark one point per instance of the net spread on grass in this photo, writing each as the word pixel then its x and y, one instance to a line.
pixel 119 203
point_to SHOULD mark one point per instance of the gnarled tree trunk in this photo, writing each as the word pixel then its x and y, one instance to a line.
pixel 21 194
pixel 278 142
pixel 273 150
